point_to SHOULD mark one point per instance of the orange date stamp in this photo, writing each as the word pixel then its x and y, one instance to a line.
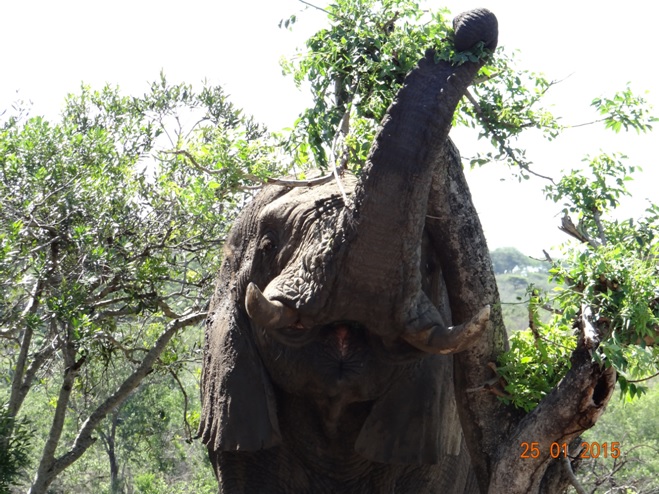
pixel 588 450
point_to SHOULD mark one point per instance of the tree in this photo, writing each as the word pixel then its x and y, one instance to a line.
pixel 606 314
pixel 109 241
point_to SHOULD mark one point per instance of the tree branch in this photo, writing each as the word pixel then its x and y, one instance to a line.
pixel 597 217
pixel 44 472
pixel 567 468
pixel 573 406
pixel 318 8
pixel 84 438
pixel 188 428
pixel 166 309
pixel 268 181
pixel 500 141
pixel 38 360
pixel 589 334
pixel 568 227
pixel 19 371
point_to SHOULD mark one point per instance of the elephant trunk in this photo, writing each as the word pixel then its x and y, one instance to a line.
pixel 390 207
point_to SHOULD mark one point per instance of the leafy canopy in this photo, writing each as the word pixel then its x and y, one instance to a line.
pixel 111 226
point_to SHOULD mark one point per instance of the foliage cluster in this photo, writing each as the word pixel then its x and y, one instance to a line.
pixel 354 68
pixel 608 281
pixel 615 269
pixel 536 361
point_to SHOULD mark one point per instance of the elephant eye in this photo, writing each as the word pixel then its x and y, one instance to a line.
pixel 268 243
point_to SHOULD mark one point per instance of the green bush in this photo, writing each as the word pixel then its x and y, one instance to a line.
pixel 15 447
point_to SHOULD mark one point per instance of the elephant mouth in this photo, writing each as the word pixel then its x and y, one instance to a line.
pixel 343 351
pixel 344 347
pixel 343 338
pixel 283 322
pixel 340 338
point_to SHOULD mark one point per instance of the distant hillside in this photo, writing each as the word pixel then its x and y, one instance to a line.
pixel 514 273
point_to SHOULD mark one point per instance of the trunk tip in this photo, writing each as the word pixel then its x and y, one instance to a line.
pixel 473 26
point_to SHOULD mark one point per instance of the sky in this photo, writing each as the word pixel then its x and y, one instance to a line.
pixel 594 48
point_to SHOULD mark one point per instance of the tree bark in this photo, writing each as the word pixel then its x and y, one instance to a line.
pixel 571 408
pixel 494 431
pixel 45 470
pixel 18 382
pixel 454 226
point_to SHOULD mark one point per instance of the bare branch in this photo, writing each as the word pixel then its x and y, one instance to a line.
pixel 567 468
pixel 188 427
pixel 339 141
pixel 547 256
pixel 125 311
pixel 585 124
pixel 128 352
pixel 590 335
pixel 267 181
pixel 52 194
pixel 166 309
pixel 318 8
pixel 111 301
pixel 597 217
pixel 38 360
pixel 643 379
pixel 17 381
pixel 568 227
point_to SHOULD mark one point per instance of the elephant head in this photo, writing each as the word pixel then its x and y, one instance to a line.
pixel 339 301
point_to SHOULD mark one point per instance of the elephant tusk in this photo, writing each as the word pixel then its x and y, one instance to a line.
pixel 454 339
pixel 267 314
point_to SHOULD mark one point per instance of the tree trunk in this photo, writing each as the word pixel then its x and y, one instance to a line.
pixel 110 448
pixel 46 472
pixel 494 431
pixel 453 223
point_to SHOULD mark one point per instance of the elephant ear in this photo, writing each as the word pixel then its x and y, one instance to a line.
pixel 238 411
pixel 238 403
pixel 416 421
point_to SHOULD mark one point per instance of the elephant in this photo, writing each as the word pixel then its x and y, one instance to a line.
pixel 328 356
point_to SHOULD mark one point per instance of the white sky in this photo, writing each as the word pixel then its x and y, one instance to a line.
pixel 50 47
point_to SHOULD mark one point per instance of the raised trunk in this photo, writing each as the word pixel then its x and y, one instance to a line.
pixel 392 197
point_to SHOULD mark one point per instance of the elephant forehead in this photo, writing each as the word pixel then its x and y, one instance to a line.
pixel 300 200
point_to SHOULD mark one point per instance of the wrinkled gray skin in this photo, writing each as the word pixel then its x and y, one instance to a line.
pixel 327 363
